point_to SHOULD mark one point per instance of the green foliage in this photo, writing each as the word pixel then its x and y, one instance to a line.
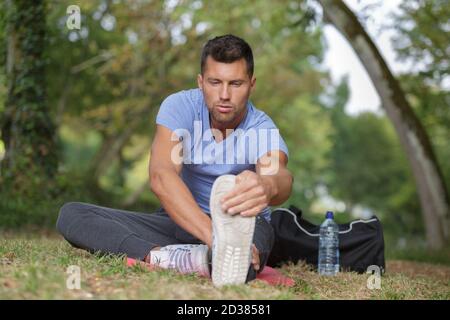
pixel 419 254
pixel 423 42
pixel 367 167
pixel 40 206
pixel 422 39
pixel 368 162
pixel 307 129
pixel 27 129
pixel 111 87
pixel 2 57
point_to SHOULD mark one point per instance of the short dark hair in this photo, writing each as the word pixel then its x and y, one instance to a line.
pixel 228 48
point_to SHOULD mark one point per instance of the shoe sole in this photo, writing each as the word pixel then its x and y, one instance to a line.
pixel 232 238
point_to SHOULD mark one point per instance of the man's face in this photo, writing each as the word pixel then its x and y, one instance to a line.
pixel 226 88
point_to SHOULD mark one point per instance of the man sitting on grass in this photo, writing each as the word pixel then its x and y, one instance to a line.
pixel 217 163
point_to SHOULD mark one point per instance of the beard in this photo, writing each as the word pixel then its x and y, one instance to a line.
pixel 230 119
pixel 223 118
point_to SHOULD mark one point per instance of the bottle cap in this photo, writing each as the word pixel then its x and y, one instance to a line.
pixel 329 215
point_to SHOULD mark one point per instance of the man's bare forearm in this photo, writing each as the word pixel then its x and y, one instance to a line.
pixel 280 186
pixel 179 203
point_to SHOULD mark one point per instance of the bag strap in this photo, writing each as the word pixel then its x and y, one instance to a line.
pixel 296 221
pixel 317 234
pixel 297 211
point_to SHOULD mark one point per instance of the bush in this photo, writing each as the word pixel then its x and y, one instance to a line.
pixel 38 205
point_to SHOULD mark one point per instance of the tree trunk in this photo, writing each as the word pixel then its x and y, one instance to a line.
pixel 430 183
pixel 27 129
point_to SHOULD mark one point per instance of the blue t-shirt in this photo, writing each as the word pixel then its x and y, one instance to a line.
pixel 185 113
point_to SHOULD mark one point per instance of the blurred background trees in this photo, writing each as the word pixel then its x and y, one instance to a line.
pixel 102 85
pixel 27 129
pixel 430 184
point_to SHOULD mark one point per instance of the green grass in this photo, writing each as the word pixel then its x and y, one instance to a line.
pixel 421 255
pixel 33 266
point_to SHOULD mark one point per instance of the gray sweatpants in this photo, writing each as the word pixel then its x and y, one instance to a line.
pixel 107 230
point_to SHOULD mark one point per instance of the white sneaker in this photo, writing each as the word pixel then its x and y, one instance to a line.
pixel 184 258
pixel 232 238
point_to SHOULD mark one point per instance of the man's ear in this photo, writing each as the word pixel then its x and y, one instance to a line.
pixel 200 81
pixel 252 83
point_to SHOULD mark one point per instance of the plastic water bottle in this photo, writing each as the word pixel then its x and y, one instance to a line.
pixel 329 246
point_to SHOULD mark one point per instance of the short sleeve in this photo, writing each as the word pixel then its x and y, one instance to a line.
pixel 271 138
pixel 176 113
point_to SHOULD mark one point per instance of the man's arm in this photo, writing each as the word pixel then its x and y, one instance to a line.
pixel 270 185
pixel 272 167
pixel 164 169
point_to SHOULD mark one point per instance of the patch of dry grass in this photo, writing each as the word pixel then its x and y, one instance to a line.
pixel 34 267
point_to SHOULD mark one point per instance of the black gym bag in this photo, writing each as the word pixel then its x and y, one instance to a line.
pixel 361 242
